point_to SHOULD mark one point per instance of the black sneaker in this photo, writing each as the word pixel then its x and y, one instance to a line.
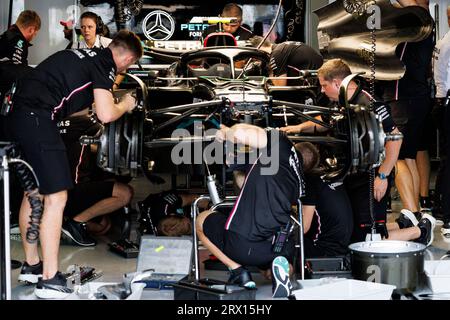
pixel 426 204
pixel 445 229
pixel 54 288
pixel 78 233
pixel 281 284
pixel 30 274
pixel 407 219
pixel 426 226
pixel 241 277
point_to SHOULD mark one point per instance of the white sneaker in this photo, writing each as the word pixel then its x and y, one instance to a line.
pixel 411 216
pixel 445 230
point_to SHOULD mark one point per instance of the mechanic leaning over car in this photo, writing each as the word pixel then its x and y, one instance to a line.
pixel 66 82
pixel 330 76
pixel 287 58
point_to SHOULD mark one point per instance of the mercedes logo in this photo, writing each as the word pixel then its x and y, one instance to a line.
pixel 158 25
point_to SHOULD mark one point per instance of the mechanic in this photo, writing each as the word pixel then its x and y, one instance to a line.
pixel 410 101
pixel 231 10
pixel 163 213
pixel 441 114
pixel 245 237
pixel 288 58
pixel 91 199
pixel 14 45
pixel 61 85
pixel 327 213
pixel 330 76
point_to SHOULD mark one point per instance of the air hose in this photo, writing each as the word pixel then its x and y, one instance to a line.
pixel 30 185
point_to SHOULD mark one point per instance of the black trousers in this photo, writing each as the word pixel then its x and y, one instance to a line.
pixel 445 182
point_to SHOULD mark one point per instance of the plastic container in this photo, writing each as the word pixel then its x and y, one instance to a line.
pixel 438 275
pixel 345 289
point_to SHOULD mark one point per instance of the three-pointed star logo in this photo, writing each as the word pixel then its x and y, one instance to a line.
pixel 158 25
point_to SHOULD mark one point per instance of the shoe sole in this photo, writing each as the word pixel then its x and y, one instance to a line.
pixel 67 233
pixel 433 225
pixel 280 270
pixel 29 278
pixel 410 216
pixel 50 294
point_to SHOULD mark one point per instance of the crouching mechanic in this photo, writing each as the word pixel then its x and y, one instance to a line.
pixel 272 185
pixel 61 85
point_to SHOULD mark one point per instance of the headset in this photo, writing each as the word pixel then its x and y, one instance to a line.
pixel 99 25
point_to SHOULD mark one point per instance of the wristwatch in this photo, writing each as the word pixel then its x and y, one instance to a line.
pixel 382 176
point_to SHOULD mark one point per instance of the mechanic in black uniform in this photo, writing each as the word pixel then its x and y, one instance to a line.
pixel 164 213
pixel 15 41
pixel 245 236
pixel 410 101
pixel 330 76
pixel 231 10
pixel 287 58
pixel 92 197
pixel 327 217
pixel 64 83
pixel 14 45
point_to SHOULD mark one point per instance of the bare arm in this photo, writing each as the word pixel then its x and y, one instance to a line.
pixel 422 3
pixel 107 110
pixel 308 214
pixel 280 82
pixel 119 79
pixel 305 127
pixel 243 133
pixel 392 151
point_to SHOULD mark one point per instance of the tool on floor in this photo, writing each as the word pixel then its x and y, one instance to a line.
pixel 77 275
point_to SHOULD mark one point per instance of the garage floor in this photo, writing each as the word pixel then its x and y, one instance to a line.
pixel 114 266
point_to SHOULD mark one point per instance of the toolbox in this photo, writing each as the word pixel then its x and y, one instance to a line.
pixel 209 289
pixel 169 259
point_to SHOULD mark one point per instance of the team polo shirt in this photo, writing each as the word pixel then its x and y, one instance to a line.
pixel 14 46
pixel 64 83
pixel 265 201
pixel 288 56
pixel 332 224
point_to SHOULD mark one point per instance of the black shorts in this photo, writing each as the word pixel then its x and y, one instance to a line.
pixel 409 116
pixel 357 187
pixel 429 132
pixel 42 147
pixel 85 195
pixel 240 249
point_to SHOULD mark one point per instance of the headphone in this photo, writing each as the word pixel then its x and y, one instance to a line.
pixel 99 25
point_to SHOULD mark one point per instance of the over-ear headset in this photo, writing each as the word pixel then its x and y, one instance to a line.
pixel 99 25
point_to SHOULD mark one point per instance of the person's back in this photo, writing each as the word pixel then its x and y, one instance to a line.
pixel 332 226
pixel 288 56
pixel 62 84
pixel 264 203
pixel 15 41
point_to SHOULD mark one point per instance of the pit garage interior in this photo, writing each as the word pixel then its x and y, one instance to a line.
pixel 167 156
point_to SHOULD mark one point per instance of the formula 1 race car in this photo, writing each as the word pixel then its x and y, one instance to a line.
pixel 227 85
pixel 217 85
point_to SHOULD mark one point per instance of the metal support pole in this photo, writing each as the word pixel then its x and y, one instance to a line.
pixel 194 213
pixel 301 245
pixel 6 277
